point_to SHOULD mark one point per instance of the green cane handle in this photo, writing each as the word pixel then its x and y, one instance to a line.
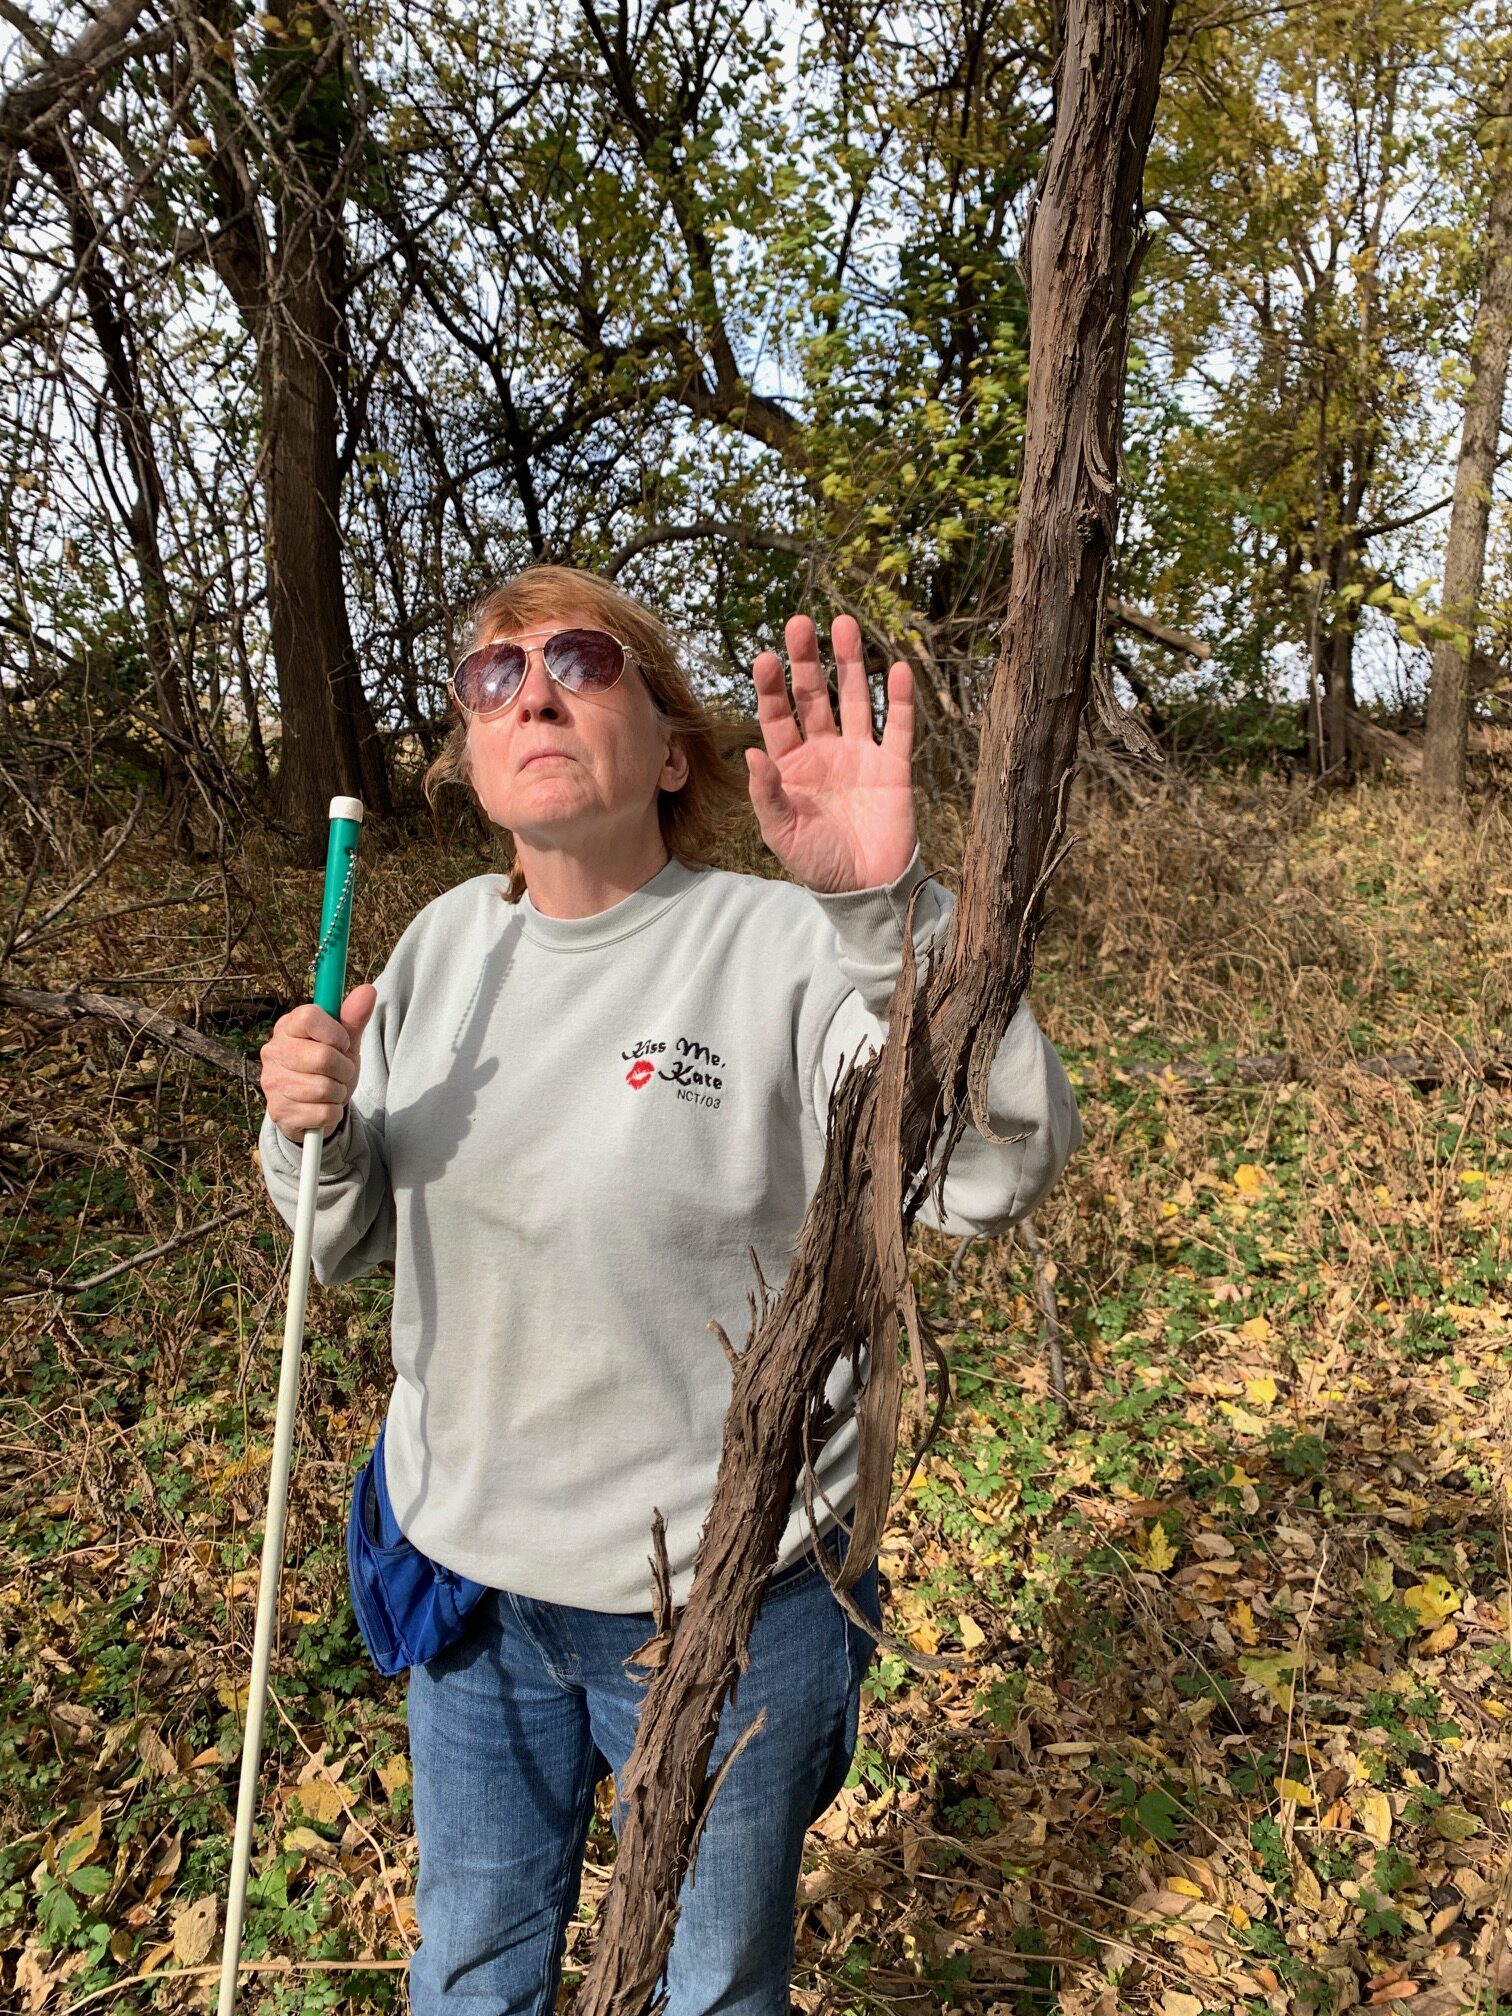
pixel 336 904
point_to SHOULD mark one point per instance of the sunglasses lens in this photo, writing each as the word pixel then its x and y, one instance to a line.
pixel 586 661
pixel 487 680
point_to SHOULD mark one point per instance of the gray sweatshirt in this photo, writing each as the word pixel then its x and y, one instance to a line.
pixel 566 1133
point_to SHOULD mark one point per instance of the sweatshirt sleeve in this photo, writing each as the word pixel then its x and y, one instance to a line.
pixel 354 1212
pixel 989 1185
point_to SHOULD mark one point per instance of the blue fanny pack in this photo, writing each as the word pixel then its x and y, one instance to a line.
pixel 408 1607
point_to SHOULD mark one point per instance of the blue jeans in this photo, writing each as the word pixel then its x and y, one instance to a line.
pixel 511 1729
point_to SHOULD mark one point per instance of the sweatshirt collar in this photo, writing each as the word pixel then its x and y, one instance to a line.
pixel 632 913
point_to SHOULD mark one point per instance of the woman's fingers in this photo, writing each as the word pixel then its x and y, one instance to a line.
pixel 308 1020
pixel 811 699
pixel 296 1121
pixel 309 1069
pixel 810 688
pixel 774 811
pixel 779 731
pixel 898 727
pixel 850 677
pixel 357 1012
pixel 306 1058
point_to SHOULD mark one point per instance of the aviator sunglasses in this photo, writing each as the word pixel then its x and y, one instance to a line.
pixel 487 679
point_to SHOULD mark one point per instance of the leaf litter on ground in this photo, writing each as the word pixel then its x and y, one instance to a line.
pixel 1236 1733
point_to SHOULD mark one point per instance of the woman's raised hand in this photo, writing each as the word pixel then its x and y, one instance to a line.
pixel 310 1064
pixel 834 805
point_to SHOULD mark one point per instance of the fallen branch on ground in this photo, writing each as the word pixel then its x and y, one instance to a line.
pixel 137 1259
pixel 153 1022
pixel 44 1142
pixel 1282 1067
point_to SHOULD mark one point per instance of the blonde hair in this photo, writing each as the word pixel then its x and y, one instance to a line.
pixel 696 817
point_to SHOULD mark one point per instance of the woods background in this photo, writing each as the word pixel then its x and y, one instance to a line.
pixel 318 323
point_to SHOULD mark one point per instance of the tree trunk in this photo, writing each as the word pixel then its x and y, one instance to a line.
pixel 329 739
pixel 1338 697
pixel 290 295
pixel 1448 723
pixel 849 1271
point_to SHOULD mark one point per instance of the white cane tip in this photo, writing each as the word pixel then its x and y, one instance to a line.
pixel 347 808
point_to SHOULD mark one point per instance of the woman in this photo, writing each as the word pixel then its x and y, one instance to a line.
pixel 565 1112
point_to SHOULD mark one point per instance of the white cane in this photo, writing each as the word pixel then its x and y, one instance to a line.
pixel 330 984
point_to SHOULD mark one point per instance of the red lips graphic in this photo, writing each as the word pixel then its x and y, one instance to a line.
pixel 639 1073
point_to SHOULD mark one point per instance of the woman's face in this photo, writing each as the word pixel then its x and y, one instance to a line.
pixel 555 765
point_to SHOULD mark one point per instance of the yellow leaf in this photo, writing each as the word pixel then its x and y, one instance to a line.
pixel 199 147
pixel 1431 1601
pixel 320 1801
pixel 1250 1179
pixel 1443 1640
pixel 1257 1330
pixel 1159 1554
pixel 1453 1823
pixel 924 1638
pixel 1273 1673
pixel 1378 1582
pixel 255 1458
pixel 233 1695
pixel 1242 1621
pixel 394 1774
pixel 300 1840
pixel 79 1844
pixel 1298 1793
pixel 1373 1811
pixel 971 1632
pixel 1185 1886
pixel 1243 1420
pixel 1259 1392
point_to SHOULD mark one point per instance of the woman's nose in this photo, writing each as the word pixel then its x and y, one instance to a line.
pixel 538 690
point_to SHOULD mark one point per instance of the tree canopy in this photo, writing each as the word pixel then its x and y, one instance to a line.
pixel 321 321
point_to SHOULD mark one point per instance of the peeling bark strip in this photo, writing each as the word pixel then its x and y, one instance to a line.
pixel 849 1271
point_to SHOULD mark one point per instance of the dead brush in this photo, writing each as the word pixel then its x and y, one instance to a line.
pixel 1204 919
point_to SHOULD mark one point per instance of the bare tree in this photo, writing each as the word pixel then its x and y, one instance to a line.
pixel 31 123
pixel 277 159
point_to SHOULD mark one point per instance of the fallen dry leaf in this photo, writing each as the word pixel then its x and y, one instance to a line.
pixel 194 1931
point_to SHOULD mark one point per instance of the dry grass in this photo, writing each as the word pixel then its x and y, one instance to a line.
pixel 1302 1288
